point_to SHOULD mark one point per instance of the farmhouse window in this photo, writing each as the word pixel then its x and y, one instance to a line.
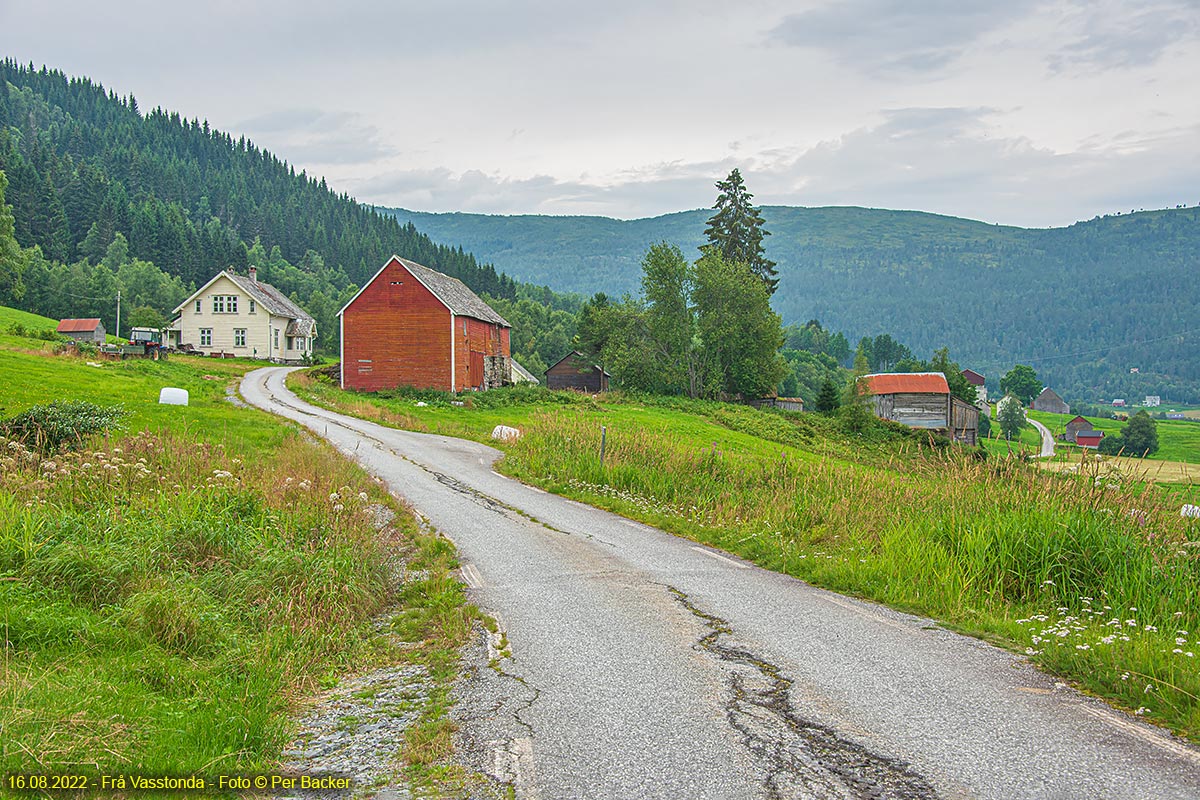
pixel 225 303
pixel 276 331
pixel 198 308
pixel 253 305
pixel 239 337
pixel 291 342
pixel 206 337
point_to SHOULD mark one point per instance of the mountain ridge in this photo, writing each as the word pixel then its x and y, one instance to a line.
pixel 992 293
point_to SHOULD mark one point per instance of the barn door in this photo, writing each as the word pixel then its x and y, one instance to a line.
pixel 475 370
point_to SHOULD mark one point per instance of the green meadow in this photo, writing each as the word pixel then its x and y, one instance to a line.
pixel 171 592
pixel 1095 577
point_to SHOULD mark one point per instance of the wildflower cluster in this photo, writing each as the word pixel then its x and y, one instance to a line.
pixel 648 504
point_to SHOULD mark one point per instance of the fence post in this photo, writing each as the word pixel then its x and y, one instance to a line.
pixel 603 437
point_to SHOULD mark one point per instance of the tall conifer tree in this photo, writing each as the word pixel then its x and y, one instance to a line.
pixel 736 230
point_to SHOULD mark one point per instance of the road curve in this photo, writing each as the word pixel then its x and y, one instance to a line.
pixel 1047 438
pixel 645 666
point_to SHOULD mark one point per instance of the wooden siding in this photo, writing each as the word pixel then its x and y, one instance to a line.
pixel 396 333
pixel 575 373
pixel 964 422
pixel 914 410
pixel 957 419
pixel 475 339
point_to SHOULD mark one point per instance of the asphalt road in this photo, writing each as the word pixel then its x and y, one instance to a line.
pixel 645 666
pixel 1047 438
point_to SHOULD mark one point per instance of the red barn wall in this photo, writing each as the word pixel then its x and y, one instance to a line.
pixel 479 337
pixel 396 333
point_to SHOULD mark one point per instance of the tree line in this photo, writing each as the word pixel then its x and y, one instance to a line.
pixel 84 165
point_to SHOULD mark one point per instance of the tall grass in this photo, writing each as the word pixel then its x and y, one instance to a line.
pixel 1094 576
pixel 163 603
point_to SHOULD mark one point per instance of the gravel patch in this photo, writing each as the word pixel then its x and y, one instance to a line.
pixel 357 731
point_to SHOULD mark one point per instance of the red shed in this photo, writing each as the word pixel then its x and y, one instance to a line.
pixel 412 326
pixel 1088 438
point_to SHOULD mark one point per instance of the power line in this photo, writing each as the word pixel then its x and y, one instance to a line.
pixel 1109 348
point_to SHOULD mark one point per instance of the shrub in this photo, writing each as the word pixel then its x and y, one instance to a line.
pixel 61 424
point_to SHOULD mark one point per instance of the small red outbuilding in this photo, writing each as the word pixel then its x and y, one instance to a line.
pixel 412 326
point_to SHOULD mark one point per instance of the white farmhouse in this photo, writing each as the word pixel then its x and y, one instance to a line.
pixel 241 316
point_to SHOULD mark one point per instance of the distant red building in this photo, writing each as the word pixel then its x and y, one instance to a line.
pixel 412 326
pixel 86 330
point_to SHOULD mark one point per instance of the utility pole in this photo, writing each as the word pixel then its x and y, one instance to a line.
pixel 117 332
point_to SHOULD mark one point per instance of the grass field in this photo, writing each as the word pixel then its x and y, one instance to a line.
pixel 1178 440
pixel 1096 578
pixel 170 592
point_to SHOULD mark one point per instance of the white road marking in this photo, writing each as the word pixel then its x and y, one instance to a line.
pixel 1159 740
pixel 513 761
pixel 864 612
pixel 471 576
pixel 719 557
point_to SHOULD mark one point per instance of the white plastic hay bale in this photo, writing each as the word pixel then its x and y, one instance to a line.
pixel 173 397
pixel 505 433
pixel 1190 510
pixel 421 404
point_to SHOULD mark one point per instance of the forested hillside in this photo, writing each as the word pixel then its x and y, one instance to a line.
pixel 101 188
pixel 1083 304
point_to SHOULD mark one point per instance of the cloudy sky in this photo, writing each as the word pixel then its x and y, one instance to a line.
pixel 1016 112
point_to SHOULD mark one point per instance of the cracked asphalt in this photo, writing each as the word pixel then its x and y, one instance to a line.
pixel 645 666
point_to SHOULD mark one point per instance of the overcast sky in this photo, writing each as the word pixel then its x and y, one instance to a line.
pixel 1016 112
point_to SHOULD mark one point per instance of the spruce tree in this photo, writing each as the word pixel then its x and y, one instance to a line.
pixel 736 230
pixel 828 399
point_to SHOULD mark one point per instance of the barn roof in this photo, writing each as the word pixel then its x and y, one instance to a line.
pixel 78 325
pixel 973 377
pixel 453 293
pixel 581 357
pixel 1048 394
pixel 907 383
pixel 1078 419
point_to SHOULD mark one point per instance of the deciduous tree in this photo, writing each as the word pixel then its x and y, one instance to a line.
pixel 1022 383
pixel 1011 416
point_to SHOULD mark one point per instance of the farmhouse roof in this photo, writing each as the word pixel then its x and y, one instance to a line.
pixel 267 296
pixel 452 292
pixel 78 325
pixel 907 383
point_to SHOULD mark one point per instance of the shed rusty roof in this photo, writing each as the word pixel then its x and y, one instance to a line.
pixel 907 383
pixel 78 325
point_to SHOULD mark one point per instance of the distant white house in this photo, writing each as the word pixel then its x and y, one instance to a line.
pixel 1152 400
pixel 239 315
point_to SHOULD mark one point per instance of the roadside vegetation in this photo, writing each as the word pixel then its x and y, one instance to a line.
pixel 1094 576
pixel 175 581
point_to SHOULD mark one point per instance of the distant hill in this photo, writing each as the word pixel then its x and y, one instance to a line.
pixel 1083 304
pixel 84 164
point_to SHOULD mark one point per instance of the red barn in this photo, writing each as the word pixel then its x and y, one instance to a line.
pixel 412 326
pixel 1088 438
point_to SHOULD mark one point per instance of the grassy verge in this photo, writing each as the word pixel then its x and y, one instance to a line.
pixel 169 593
pixel 1095 576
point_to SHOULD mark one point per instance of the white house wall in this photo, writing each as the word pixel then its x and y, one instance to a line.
pixel 260 326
